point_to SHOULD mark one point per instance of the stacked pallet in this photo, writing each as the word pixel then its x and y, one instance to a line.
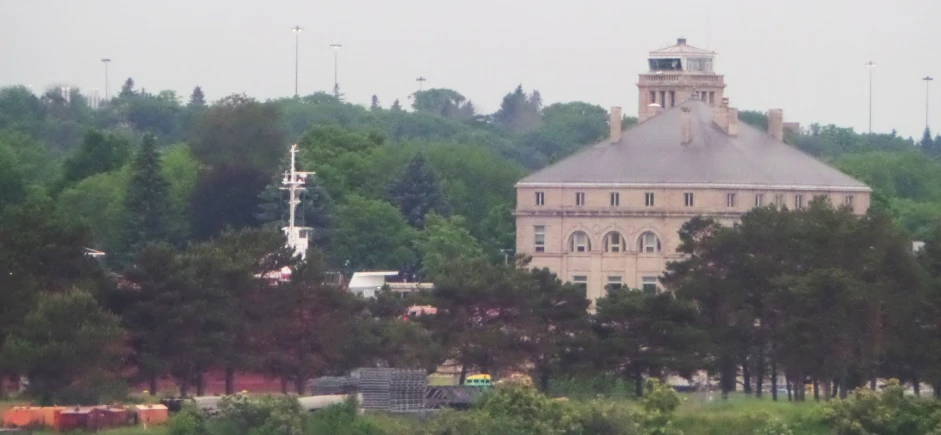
pixel 375 385
pixel 407 390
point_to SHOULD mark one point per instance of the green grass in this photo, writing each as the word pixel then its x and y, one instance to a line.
pixel 744 415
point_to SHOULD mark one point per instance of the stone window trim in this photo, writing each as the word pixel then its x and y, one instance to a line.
pixel 579 242
pixel 615 199
pixel 539 238
pixel 579 199
pixel 540 199
pixel 649 199
pixel 614 242
pixel 649 242
pixel 688 199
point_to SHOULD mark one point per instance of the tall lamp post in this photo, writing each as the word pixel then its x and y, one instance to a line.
pixel 927 80
pixel 870 64
pixel 336 80
pixel 106 61
pixel 421 82
pixel 297 44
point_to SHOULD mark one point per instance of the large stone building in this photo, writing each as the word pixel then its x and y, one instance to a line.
pixel 609 214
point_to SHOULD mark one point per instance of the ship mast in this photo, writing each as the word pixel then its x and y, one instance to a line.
pixel 294 182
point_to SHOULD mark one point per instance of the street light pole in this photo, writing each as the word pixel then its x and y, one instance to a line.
pixel 927 80
pixel 870 65
pixel 297 44
pixel 421 82
pixel 106 61
pixel 336 81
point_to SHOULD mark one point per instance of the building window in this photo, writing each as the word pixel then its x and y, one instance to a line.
pixel 759 199
pixel 540 198
pixel 648 199
pixel 648 243
pixel 672 98
pixel 539 238
pixel 688 199
pixel 649 284
pixel 614 283
pixel 580 281
pixel 712 98
pixel 730 200
pixel 779 200
pixel 653 97
pixel 579 242
pixel 579 198
pixel 848 201
pixel 615 199
pixel 798 201
pixel 614 242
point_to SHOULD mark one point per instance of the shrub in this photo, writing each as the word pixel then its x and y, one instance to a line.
pixel 188 421
pixel 243 415
pixel 890 412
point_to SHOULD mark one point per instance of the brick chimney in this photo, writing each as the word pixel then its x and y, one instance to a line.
pixel 686 126
pixel 726 118
pixel 614 122
pixel 776 123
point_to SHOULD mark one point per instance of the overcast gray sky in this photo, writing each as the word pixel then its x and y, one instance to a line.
pixel 804 56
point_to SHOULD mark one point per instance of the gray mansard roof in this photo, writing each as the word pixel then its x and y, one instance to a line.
pixel 651 153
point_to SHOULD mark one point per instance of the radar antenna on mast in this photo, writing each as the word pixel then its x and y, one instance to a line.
pixel 294 182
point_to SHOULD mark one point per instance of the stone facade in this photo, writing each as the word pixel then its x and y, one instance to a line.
pixel 666 85
pixel 610 214
pixel 629 262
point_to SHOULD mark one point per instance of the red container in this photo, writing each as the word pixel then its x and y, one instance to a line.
pixel 107 417
pixel 70 419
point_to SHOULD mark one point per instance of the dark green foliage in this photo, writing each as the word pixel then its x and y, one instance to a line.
pixel 239 130
pixel 418 192
pixel 97 154
pixel 66 339
pixel 147 202
pixel 315 211
pixel 519 112
pixel 197 99
pixel 372 234
pixel 226 197
pixel 127 89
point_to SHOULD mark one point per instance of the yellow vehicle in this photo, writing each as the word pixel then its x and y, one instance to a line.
pixel 478 381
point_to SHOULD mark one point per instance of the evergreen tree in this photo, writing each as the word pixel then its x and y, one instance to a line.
pixel 396 107
pixel 418 192
pixel 127 89
pixel 98 153
pixel 197 99
pixel 315 211
pixel 147 202
pixel 519 112
pixel 374 103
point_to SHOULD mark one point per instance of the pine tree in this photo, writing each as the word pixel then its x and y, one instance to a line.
pixel 197 99
pixel 418 192
pixel 147 202
pixel 315 211
pixel 396 107
pixel 127 89
pixel 374 103
pixel 929 146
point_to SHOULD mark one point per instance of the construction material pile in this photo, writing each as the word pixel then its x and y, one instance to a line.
pixel 65 419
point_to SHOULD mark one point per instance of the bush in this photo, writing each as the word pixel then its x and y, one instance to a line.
pixel 889 412
pixel 189 421
pixel 342 419
pixel 244 415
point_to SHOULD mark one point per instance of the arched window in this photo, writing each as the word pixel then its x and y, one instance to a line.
pixel 579 242
pixel 648 243
pixel 613 242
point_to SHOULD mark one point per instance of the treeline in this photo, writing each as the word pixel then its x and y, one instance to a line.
pixel 817 295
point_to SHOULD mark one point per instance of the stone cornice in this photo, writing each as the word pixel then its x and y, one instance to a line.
pixel 717 186
pixel 596 213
